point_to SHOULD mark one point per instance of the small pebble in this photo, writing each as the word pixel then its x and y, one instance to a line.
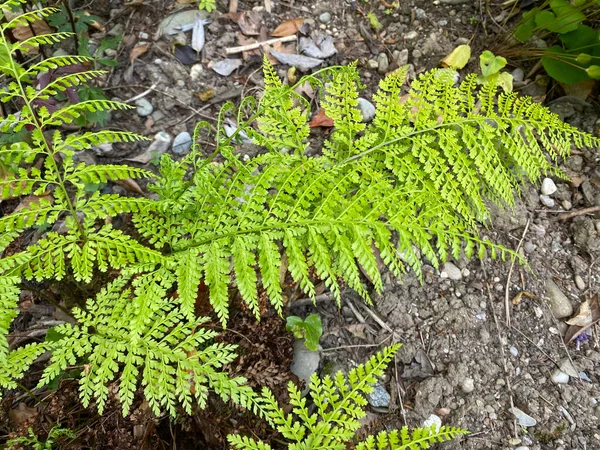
pixel 567 205
pixel 529 247
pixel 379 398
pixel 449 270
pixel 468 385
pixel 514 351
pixel 514 441
pixel 410 35
pixel 372 64
pixel 548 187
pixel 196 71
pixel 522 448
pixel 433 420
pixel 547 201
pixel 559 377
pixel 465 272
pixel 143 107
pixel 560 305
pixel 518 75
pixel 566 366
pixel 367 109
pixel 579 283
pixel 182 143
pixel 383 63
pixel 325 17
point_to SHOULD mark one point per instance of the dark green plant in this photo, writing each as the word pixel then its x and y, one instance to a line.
pixel 575 54
pixel 309 329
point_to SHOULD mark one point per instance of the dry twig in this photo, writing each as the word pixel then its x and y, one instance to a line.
pixel 245 48
pixel 512 265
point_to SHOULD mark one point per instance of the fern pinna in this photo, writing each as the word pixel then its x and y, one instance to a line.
pixel 339 405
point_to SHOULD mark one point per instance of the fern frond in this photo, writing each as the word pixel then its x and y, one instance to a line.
pixel 54 62
pixel 29 17
pixel 88 174
pixel 419 438
pixel 39 212
pixel 16 363
pixel 9 298
pixel 110 205
pixel 165 354
pixel 244 443
pixel 89 139
pixel 70 113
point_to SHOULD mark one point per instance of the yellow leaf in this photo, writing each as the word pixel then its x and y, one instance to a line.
pixel 458 58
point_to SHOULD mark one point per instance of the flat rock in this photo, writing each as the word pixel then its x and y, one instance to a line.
pixel 379 398
pixel 559 377
pixel 559 303
pixel 525 420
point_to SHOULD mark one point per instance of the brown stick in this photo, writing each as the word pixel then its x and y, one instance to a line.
pixel 233 6
pixel 245 48
pixel 579 212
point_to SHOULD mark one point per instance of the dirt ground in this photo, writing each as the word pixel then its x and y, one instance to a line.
pixel 463 358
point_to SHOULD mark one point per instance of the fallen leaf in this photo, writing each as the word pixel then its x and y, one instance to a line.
pixel 131 185
pixel 517 298
pixel 303 63
pixel 288 28
pixel 227 66
pixel 21 414
pixel 205 95
pixel 137 51
pixel 321 120
pixel 23 32
pixel 581 90
pixel 357 330
pixel 248 21
pixel 458 58
pixel 186 54
pixel 588 318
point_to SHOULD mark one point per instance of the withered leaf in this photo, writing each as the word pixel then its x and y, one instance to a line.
pixel 288 28
pixel 321 120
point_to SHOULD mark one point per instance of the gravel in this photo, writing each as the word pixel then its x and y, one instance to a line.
pixel 450 271
pixel 559 303
pixel 143 107
pixel 325 18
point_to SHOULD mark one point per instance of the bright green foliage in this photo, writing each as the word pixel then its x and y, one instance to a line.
pixel 55 189
pixel 139 328
pixel 412 182
pixel 339 405
pixel 208 5
pixel 421 171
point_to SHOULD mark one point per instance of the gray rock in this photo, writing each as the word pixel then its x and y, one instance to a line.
pixel 117 30
pixel 161 143
pixel 401 57
pixel 325 17
pixel 518 75
pixel 559 377
pixel 522 448
pixel 433 420
pixel 468 385
pixel 420 14
pixel 182 143
pixel 372 64
pixel 449 270
pixel 586 235
pixel 180 21
pixel 579 283
pixel 566 204
pixel 548 187
pixel 383 63
pixel 305 363
pixel 566 366
pixel 143 107
pixel 524 420
pixel 411 35
pixel 547 201
pixel 367 109
pixel 379 398
pixel 196 72
pixel 513 351
pixel 529 247
pixel 227 66
pixel 559 303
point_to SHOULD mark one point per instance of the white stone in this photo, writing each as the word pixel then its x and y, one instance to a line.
pixel 547 201
pixel 548 187
pixel 579 283
pixel 449 270
pixel 525 420
pixel 468 385
pixel 367 109
pixel 433 420
pixel 559 377
pixel 410 35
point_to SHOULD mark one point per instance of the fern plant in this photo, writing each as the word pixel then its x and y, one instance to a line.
pixel 133 323
pixel 339 405
pixel 412 182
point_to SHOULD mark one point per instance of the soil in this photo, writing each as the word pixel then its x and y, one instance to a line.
pixel 460 359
